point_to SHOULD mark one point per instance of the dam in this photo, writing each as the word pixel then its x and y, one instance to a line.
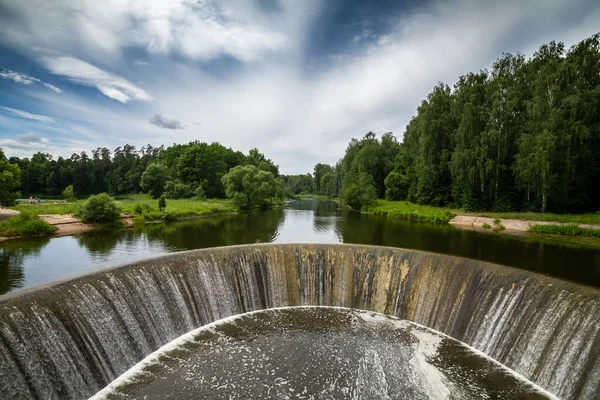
pixel 70 339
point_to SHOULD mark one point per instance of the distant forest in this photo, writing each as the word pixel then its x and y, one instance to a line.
pixel 524 135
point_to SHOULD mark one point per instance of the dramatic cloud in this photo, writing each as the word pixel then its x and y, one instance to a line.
pixel 86 74
pixel 25 80
pixel 166 123
pixel 27 115
pixel 200 30
pixel 296 79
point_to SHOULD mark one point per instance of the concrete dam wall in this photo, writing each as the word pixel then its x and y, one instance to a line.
pixel 69 339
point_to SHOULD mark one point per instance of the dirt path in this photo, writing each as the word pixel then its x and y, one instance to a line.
pixel 476 223
pixel 7 213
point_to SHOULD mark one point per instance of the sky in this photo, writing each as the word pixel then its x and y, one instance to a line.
pixel 297 79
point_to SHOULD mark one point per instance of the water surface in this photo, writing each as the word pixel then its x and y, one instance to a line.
pixel 25 263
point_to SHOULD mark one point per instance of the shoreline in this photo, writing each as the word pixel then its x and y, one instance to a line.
pixel 476 223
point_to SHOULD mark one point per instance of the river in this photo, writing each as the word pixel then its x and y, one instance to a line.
pixel 25 263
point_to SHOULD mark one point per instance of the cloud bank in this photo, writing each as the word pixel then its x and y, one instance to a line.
pixel 296 79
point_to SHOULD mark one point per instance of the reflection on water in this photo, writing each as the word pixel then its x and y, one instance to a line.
pixel 31 262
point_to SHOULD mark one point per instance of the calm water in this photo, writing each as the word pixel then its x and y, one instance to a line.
pixel 26 263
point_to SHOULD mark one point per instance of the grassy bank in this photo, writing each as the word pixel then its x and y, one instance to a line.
pixel 565 230
pixel 143 206
pixel 411 211
pixel 590 218
pixel 25 225
pixel 146 209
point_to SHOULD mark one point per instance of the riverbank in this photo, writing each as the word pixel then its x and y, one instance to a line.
pixel 137 208
pixel 542 224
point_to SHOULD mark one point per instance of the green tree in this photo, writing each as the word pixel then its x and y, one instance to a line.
pixel 68 193
pixel 154 179
pixel 10 180
pixel 178 190
pixel 361 193
pixel 251 187
pixel 162 202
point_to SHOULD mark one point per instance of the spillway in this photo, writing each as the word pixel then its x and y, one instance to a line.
pixel 69 339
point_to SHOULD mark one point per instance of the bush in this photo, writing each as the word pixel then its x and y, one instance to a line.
pixel 199 192
pixel 360 194
pixel 69 193
pixel 141 208
pixel 25 225
pixel 178 190
pixel 162 203
pixel 486 226
pixel 99 208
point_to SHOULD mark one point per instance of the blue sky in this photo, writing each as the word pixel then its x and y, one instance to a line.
pixel 297 79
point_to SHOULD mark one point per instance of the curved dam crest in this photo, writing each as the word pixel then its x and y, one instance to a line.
pixel 71 338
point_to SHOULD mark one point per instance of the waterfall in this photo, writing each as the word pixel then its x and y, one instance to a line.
pixel 71 338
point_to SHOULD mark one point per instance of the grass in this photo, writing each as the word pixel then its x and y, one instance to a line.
pixel 25 225
pixel 565 230
pixel 176 209
pixel 486 226
pixel 414 212
pixel 441 215
pixel 49 208
pixel 590 218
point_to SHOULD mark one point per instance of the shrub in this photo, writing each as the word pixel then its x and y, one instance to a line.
pixel 25 225
pixel 69 193
pixel 199 192
pixel 496 221
pixel 162 202
pixel 178 190
pixel 99 208
pixel 141 208
pixel 486 226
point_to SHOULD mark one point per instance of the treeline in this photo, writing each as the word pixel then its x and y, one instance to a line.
pixel 179 171
pixel 524 135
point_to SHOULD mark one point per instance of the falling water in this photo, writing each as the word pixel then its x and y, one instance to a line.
pixel 71 338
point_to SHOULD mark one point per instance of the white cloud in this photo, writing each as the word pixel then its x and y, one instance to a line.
pixel 27 143
pixel 200 30
pixel 108 84
pixel 25 80
pixel 27 115
pixel 296 111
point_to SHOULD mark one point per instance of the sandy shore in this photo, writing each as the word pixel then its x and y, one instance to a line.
pixel 476 223
pixel 67 224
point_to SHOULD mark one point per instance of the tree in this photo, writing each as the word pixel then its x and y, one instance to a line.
pixel 154 179
pixel 361 193
pixel 396 185
pixel 177 190
pixel 250 187
pixel 162 202
pixel 10 180
pixel 68 193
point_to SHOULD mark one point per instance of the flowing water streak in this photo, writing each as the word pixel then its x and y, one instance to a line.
pixel 70 339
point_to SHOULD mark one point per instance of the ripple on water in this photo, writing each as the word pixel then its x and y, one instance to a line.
pixel 318 353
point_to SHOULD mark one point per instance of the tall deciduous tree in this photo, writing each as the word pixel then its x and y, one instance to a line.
pixel 10 176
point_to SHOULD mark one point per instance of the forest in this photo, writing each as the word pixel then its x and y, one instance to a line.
pixel 523 135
